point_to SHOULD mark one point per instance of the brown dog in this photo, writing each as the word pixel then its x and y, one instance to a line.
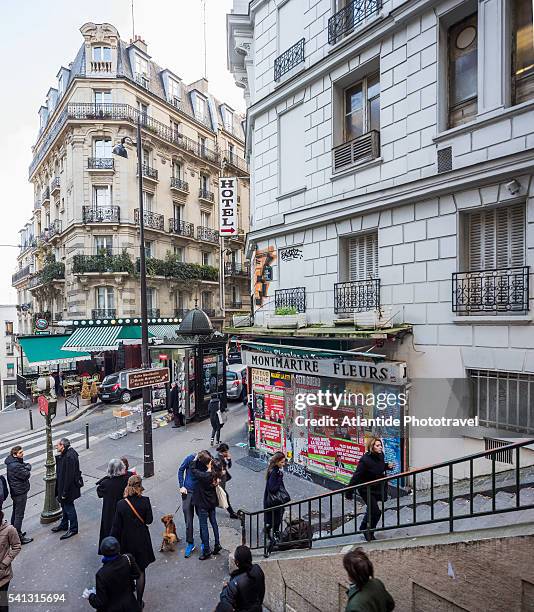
pixel 169 535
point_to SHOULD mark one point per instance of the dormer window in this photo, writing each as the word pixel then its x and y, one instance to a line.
pixel 141 66
pixel 200 108
pixel 101 54
pixel 228 118
pixel 174 92
pixel 61 85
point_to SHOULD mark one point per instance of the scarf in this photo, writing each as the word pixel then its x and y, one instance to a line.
pixel 106 559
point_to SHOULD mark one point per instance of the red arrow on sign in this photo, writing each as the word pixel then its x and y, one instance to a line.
pixel 227 230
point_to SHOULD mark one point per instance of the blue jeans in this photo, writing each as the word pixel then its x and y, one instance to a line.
pixel 203 516
pixel 69 518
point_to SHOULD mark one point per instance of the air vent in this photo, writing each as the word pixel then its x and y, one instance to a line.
pixel 445 159
pixel 504 456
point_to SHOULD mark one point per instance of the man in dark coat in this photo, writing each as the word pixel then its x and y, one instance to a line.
pixel 68 484
pixel 18 478
pixel 214 406
pixel 174 401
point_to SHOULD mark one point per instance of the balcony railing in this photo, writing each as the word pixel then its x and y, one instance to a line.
pixel 103 313
pixel 204 194
pixel 491 291
pixel 289 59
pixel 237 162
pixel 55 185
pixel 150 173
pixel 180 313
pixel 236 304
pixel 357 296
pixel 177 183
pixel 101 214
pixel 54 229
pixel 101 163
pixel 45 196
pixel 142 80
pixel 100 66
pixel 236 269
pixel 22 273
pixel 356 151
pixel 182 228
pixel 207 234
pixel 151 220
pixel 351 17
pixel 102 263
pixel 295 297
pixel 153 313
pixel 209 311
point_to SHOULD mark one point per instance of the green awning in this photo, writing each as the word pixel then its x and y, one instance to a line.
pixel 132 332
pixel 47 350
pixel 94 339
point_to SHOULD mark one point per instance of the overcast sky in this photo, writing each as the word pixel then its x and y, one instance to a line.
pixel 38 36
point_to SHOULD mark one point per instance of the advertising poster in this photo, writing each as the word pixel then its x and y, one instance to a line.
pixel 209 374
pixel 333 458
pixel 269 436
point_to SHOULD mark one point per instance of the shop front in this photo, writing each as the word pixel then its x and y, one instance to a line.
pixel 318 406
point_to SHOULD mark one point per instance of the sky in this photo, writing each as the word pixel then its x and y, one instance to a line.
pixel 38 36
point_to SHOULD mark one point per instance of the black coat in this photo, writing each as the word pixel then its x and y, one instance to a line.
pixel 174 400
pixel 371 466
pixel 204 495
pixel 226 464
pixel 111 490
pixel 115 586
pixel 214 406
pixel 274 483
pixel 244 592
pixel 68 476
pixel 132 534
pixel 18 475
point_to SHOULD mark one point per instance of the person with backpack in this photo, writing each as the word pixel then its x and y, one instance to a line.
pixel 18 478
pixel 366 593
pixel 245 590
pixel 69 482
pixel 223 455
pixel 216 412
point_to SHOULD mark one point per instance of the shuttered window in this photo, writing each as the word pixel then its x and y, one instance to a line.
pixel 496 238
pixel 363 257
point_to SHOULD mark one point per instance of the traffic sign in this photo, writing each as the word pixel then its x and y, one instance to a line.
pixel 144 378
pixel 42 402
pixel 228 223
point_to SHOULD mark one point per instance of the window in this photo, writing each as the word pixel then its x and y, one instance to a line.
pixel 290 24
pixel 292 150
pixel 363 257
pixel 148 201
pixel 105 298
pixel 176 170
pixel 174 91
pixel 176 129
pixel 141 65
pixel 204 182
pixel 205 258
pixel 179 300
pixel 205 219
pixel 10 370
pixel 9 349
pixel 146 157
pixel 522 51
pixel 102 195
pixel 362 108
pixel 503 400
pixel 143 111
pixel 178 212
pixel 102 148
pixel 149 249
pixel 200 108
pixel 101 54
pixel 202 145
pixel 9 328
pixel 231 150
pixel 495 238
pixel 462 48
pixel 104 245
pixel 102 97
pixel 179 253
pixel 206 300
pixel 228 117
pixel 151 298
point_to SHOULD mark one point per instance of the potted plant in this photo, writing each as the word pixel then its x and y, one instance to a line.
pixel 286 317
pixel 94 392
pixel 85 393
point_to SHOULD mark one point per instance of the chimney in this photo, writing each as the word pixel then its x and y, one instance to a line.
pixel 139 43
pixel 200 85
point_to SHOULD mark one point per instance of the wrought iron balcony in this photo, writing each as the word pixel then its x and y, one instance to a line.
pixel 182 228
pixel 150 173
pixel 207 234
pixel 289 59
pixel 491 291
pixel 103 313
pixel 356 151
pixel 45 196
pixel 101 163
pixel 151 220
pixel 21 274
pixel 209 311
pixel 35 281
pixel 101 214
pixel 208 154
pixel 295 297
pixel 235 161
pixel 153 313
pixel 351 17
pixel 236 269
pixel 235 304
pixel 204 194
pixel 180 185
pixel 55 185
pixel 357 296
pixel 143 80
pixel 54 229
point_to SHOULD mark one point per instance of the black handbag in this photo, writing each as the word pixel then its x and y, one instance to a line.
pixel 277 499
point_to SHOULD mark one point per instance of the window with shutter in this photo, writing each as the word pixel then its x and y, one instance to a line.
pixel 363 257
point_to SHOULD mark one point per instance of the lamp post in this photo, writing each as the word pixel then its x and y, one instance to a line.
pixel 148 451
pixel 47 407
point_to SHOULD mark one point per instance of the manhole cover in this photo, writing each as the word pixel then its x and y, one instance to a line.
pixel 256 465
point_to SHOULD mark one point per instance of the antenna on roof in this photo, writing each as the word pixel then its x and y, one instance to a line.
pixel 133 21
pixel 204 28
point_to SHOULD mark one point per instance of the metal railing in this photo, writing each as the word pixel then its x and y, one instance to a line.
pixel 289 59
pixel 231 159
pixel 103 313
pixel 291 298
pixel 177 183
pixel 207 234
pixel 151 220
pixel 45 196
pixel 150 172
pixel 153 313
pixel 209 311
pixel 54 229
pixel 497 290
pixel 55 184
pixel 331 515
pixel 180 313
pixel 142 80
pixel 101 214
pixel 204 194
pixel 236 269
pixel 357 296
pixel 351 17
pixel 22 273
pixel 356 151
pixel 100 163
pixel 182 228
pixel 236 304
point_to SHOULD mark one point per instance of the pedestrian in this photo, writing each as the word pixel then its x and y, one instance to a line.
pixel 372 466
pixel 208 475
pixel 366 593
pixel 275 494
pixel 216 418
pixel 111 490
pixel 175 405
pixel 129 472
pixel 132 516
pixel 115 580
pixel 187 483
pixel 69 482
pixel 9 548
pixel 18 478
pixel 4 491
pixel 245 590
pixel 223 455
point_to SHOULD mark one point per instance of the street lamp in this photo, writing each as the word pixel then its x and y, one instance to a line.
pixel 120 150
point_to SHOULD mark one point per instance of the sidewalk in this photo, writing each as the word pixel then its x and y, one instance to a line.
pixel 172 582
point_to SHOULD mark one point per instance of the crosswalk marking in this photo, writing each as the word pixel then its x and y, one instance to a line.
pixel 28 439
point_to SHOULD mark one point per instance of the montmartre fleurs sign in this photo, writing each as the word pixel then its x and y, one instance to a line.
pixel 385 372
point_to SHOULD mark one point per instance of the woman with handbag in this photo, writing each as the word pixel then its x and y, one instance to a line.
pixel 275 494
pixel 217 418
pixel 132 516
pixel 223 455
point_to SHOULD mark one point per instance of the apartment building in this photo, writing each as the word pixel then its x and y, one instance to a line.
pixel 79 251
pixel 8 358
pixel 391 147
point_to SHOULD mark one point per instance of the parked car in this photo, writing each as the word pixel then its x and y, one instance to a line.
pixel 236 380
pixel 111 390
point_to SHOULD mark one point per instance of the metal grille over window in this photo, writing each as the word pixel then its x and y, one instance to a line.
pixel 503 400
pixel 445 159
pixel 289 59
pixel 351 17
pixel 291 298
